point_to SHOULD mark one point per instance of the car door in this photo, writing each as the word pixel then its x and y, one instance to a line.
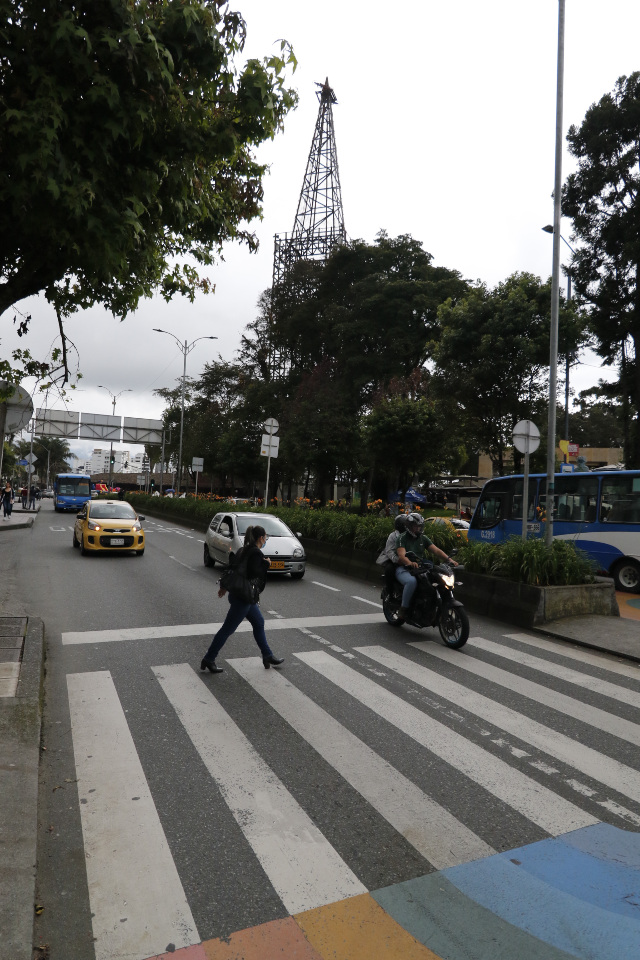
pixel 223 539
pixel 80 518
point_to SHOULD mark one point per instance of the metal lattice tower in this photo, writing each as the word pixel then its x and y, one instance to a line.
pixel 319 223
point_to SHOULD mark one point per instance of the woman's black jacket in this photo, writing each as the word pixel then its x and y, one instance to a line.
pixel 256 564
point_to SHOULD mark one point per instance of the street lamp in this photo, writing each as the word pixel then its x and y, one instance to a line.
pixel 186 349
pixel 549 229
pixel 114 397
pixel 555 283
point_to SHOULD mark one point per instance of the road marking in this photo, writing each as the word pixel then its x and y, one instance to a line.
pixel 370 602
pixel 301 864
pixel 202 629
pixel 431 829
pixel 603 661
pixel 130 870
pixel 569 706
pixel 326 586
pixel 576 755
pixel 539 804
pixel 175 559
pixel 596 684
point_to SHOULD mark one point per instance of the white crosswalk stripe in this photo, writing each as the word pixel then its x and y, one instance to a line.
pixel 420 695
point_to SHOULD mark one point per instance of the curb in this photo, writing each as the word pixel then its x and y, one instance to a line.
pixel 20 731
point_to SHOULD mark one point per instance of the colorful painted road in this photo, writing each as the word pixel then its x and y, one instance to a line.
pixel 571 896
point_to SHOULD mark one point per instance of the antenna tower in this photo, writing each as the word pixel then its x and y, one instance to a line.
pixel 319 223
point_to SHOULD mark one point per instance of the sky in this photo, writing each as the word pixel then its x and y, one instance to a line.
pixel 445 130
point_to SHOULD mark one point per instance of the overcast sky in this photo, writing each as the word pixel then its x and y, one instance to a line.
pixel 445 130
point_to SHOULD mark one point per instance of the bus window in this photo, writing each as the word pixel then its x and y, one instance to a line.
pixel 489 511
pixel 620 501
pixel 515 511
pixel 575 498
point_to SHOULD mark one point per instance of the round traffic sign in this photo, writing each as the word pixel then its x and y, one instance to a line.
pixel 271 425
pixel 526 436
pixel 19 407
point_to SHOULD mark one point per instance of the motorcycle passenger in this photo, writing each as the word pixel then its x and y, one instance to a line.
pixel 389 556
pixel 414 541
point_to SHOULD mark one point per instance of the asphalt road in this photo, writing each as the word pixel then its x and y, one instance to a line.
pixel 177 807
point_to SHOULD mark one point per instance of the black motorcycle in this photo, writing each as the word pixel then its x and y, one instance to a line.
pixel 433 603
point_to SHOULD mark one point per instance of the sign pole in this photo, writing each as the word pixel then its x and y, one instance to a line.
pixel 525 494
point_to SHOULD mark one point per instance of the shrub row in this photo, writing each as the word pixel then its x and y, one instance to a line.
pixel 530 561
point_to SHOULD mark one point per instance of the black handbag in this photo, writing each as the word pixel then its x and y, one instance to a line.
pixel 235 580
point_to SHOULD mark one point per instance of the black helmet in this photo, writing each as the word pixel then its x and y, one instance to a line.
pixel 415 519
pixel 401 522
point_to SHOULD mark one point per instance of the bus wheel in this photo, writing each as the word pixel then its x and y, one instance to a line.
pixel 626 576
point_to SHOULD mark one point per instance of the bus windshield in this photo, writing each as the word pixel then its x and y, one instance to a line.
pixel 73 486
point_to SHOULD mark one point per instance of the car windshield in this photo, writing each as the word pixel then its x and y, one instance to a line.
pixel 112 511
pixel 272 526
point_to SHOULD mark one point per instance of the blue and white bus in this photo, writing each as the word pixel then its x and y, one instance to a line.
pixel 598 511
pixel 71 491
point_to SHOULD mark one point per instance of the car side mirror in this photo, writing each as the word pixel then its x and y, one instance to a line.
pixel 298 534
pixel 79 516
pixel 140 517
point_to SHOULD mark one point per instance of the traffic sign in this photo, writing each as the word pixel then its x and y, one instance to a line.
pixel 526 436
pixel 30 469
pixel 271 425
pixel 197 464
pixel 269 446
pixel 31 458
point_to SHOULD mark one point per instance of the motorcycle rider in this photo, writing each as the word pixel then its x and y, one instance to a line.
pixel 414 541
pixel 389 556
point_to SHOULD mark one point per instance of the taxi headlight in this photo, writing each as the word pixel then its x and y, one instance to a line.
pixel 298 552
pixel 136 528
pixel 92 525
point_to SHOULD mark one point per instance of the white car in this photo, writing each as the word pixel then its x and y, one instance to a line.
pixel 225 536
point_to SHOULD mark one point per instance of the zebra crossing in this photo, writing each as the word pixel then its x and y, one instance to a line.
pixel 451 756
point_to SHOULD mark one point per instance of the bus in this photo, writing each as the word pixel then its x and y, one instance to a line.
pixel 71 491
pixel 599 511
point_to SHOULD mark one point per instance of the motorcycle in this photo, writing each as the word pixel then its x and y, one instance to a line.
pixel 433 603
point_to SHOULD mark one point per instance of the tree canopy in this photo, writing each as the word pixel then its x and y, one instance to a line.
pixel 127 133
pixel 601 198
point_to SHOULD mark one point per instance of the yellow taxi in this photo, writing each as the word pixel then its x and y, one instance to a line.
pixel 108 526
pixel 454 523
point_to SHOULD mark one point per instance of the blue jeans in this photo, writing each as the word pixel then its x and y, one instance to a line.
pixel 238 610
pixel 409 584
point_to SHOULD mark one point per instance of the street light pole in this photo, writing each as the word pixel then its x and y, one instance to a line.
pixel 549 229
pixel 186 348
pixel 555 285
pixel 114 397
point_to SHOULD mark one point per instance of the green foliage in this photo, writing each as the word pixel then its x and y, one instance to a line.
pixel 128 133
pixel 530 561
pixel 602 199
pixel 493 354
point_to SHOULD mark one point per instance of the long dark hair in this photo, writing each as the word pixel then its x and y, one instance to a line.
pixel 253 534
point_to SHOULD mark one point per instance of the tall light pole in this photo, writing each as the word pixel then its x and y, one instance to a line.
pixel 114 397
pixel 186 349
pixel 555 285
pixel 549 229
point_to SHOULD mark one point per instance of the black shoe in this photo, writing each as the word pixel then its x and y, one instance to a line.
pixel 211 665
pixel 272 661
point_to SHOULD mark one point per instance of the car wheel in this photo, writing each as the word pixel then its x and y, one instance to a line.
pixel 626 576
pixel 83 549
pixel 75 541
pixel 208 559
pixel 297 576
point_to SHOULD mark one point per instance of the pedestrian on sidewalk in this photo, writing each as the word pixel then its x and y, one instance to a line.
pixel 256 565
pixel 8 497
pixel 32 498
pixel 23 497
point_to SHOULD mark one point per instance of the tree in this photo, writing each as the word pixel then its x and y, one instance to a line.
pixel 493 355
pixel 127 144
pixel 601 198
pixel 599 422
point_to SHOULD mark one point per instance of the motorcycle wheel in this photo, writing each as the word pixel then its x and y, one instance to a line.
pixel 391 614
pixel 454 627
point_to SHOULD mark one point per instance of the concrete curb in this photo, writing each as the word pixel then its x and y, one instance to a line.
pixel 20 731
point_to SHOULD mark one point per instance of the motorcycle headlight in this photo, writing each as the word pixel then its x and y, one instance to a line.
pixel 448 581
pixel 298 552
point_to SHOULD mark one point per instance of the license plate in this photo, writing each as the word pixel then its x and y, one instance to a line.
pixel 277 565
pixel 117 541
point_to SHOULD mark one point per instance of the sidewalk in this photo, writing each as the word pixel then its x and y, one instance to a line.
pixel 22 643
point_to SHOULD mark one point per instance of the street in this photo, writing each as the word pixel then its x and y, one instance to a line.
pixel 177 807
